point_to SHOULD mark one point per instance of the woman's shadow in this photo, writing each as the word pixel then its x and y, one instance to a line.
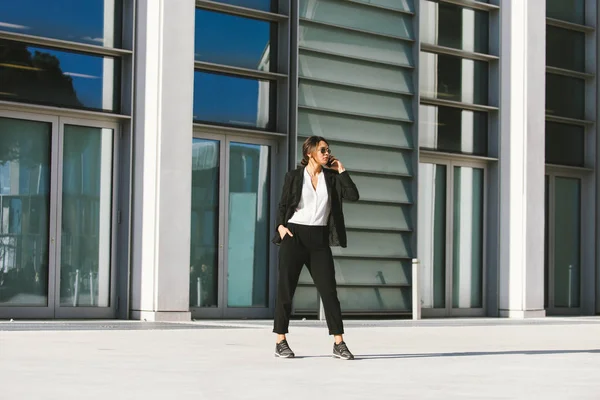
pixel 464 354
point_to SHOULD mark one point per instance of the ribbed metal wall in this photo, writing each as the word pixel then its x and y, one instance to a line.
pixel 356 87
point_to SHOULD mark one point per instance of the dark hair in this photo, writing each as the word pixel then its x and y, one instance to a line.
pixel 309 146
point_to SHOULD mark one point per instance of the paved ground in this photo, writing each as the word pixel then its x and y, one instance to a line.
pixel 448 359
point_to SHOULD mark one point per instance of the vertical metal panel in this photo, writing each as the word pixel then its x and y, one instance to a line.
pixel 390 159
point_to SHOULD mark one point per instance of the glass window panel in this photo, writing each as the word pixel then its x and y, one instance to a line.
pixel 565 144
pixel 204 257
pixel 565 96
pixel 453 130
pixel 432 233
pixel 61 78
pixel 467 238
pixel 364 102
pixel 375 299
pixel 86 217
pixel 263 5
pixel 96 22
pixel 249 225
pixel 450 25
pixel 355 72
pixel 371 19
pixel 232 40
pixel 565 48
pixel 567 242
pixel 230 100
pixel 402 5
pixel 570 11
pixel 453 78
pixel 355 44
pixel 24 212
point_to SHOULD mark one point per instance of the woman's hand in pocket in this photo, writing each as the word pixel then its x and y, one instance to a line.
pixel 283 231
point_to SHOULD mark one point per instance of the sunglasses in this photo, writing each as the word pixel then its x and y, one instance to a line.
pixel 324 150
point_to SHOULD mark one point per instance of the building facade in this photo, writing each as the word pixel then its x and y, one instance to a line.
pixel 143 145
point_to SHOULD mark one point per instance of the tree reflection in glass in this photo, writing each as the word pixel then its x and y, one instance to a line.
pixel 24 212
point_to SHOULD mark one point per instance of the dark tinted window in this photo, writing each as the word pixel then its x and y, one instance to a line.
pixel 565 48
pixel 454 26
pixel 566 10
pixel 453 130
pixel 565 144
pixel 263 5
pixel 61 78
pixel 453 78
pixel 229 100
pixel 95 22
pixel 565 96
pixel 232 40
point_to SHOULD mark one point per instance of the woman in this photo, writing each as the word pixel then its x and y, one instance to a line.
pixel 310 220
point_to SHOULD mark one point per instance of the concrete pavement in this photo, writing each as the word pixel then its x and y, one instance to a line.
pixel 442 359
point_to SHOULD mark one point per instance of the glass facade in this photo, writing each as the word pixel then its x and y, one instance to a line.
pixel 242 42
pixel 24 212
pixel 86 217
pixel 453 78
pixel 233 100
pixel 61 78
pixel 570 131
pixel 455 118
pixel 263 5
pixel 570 11
pixel 61 91
pixel 451 233
pixel 452 130
pixel 414 116
pixel 95 22
pixel 239 98
pixel 204 240
pixel 450 25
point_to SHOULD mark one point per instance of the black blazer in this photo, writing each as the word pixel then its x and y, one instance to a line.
pixel 339 186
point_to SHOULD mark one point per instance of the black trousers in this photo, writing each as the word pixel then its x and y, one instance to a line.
pixel 309 246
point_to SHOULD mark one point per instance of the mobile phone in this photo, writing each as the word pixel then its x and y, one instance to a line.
pixel 329 162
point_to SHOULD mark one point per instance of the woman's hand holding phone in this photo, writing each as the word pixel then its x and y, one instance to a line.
pixel 335 164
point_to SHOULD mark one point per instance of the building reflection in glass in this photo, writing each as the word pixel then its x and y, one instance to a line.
pixel 60 78
pixel 86 217
pixel 24 212
pixel 96 22
pixel 232 40
pixel 204 257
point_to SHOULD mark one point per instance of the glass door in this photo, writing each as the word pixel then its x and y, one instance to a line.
pixel 56 217
pixel 563 245
pixel 451 237
pixel 27 197
pixel 231 253
pixel 85 215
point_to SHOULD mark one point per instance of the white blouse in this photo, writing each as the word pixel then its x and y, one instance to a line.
pixel 314 206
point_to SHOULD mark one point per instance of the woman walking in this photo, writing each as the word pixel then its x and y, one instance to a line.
pixel 310 219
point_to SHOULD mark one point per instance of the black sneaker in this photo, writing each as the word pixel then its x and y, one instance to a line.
pixel 282 349
pixel 341 351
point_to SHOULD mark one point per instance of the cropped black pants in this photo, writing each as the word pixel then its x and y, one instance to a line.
pixel 309 246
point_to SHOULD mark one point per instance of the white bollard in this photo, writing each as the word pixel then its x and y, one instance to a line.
pixel 416 290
